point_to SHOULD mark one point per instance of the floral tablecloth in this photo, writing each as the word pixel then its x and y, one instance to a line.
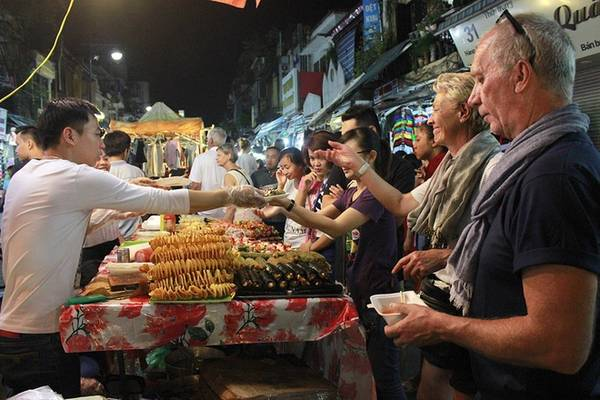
pixel 131 324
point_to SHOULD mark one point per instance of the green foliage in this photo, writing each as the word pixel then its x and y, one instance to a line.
pixel 426 27
pixel 421 45
pixel 364 58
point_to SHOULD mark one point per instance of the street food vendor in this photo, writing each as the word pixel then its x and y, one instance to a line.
pixel 45 218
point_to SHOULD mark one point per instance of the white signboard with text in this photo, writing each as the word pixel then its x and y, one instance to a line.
pixel 289 93
pixel 580 19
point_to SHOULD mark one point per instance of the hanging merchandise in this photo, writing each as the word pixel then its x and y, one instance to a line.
pixel 172 154
pixel 154 166
pixel 137 155
pixel 192 151
pixel 402 133
pixel 420 116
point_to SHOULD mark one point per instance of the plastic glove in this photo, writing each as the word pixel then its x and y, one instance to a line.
pixel 245 196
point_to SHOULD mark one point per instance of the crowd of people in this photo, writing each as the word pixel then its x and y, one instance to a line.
pixel 512 239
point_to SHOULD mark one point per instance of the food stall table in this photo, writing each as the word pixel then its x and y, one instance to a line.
pixel 131 324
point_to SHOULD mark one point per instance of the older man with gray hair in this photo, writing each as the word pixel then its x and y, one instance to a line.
pixel 526 267
pixel 205 174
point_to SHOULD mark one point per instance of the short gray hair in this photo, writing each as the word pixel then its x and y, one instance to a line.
pixel 554 59
pixel 218 135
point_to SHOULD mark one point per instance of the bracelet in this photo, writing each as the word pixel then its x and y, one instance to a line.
pixel 290 206
pixel 362 170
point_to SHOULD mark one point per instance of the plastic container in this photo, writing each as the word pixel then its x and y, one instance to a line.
pixel 381 301
pixel 123 255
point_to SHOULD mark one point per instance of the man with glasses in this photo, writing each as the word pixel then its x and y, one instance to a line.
pixel 45 218
pixel 527 265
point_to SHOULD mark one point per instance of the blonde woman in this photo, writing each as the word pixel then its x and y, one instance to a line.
pixel 439 209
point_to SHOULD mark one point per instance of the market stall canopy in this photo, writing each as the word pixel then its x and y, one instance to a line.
pixel 160 112
pixel 160 120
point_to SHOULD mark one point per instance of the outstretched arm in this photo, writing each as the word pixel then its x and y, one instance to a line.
pixel 395 202
pixel 334 227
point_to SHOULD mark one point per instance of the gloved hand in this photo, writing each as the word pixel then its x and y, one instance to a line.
pixel 245 196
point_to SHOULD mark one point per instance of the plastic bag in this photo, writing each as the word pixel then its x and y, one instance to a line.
pixel 156 358
pixel 41 393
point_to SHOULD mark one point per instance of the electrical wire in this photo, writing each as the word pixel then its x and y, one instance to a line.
pixel 60 29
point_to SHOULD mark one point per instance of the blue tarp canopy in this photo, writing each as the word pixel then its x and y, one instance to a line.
pixel 275 126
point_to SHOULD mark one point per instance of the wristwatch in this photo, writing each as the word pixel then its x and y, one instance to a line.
pixel 290 206
pixel 362 170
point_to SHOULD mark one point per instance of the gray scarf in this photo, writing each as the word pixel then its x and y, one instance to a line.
pixel 527 147
pixel 449 194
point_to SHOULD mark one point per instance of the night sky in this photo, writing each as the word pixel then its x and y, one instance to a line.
pixel 186 49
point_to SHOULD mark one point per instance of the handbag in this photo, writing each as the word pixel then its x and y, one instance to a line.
pixel 437 297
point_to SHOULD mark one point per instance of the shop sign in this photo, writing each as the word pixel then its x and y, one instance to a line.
pixel 289 93
pixel 347 21
pixel 3 118
pixel 372 29
pixel 579 18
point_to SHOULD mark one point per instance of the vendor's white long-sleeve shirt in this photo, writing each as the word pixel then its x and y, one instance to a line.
pixel 46 213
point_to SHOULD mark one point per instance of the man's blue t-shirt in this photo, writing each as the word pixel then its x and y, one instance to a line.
pixel 550 216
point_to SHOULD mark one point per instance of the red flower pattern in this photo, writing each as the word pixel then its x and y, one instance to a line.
pixel 119 343
pixel 233 319
pixel 79 344
pixel 244 322
pixel 131 311
pixel 94 319
pixel 248 322
pixel 328 315
pixel 354 335
pixel 65 318
pixel 297 305
pixel 170 321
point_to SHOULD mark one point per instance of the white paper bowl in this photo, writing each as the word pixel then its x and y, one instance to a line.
pixel 381 301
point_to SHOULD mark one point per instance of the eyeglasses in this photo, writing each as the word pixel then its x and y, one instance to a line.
pixel 363 152
pixel 520 30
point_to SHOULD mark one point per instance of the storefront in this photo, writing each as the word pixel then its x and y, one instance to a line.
pixel 406 102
